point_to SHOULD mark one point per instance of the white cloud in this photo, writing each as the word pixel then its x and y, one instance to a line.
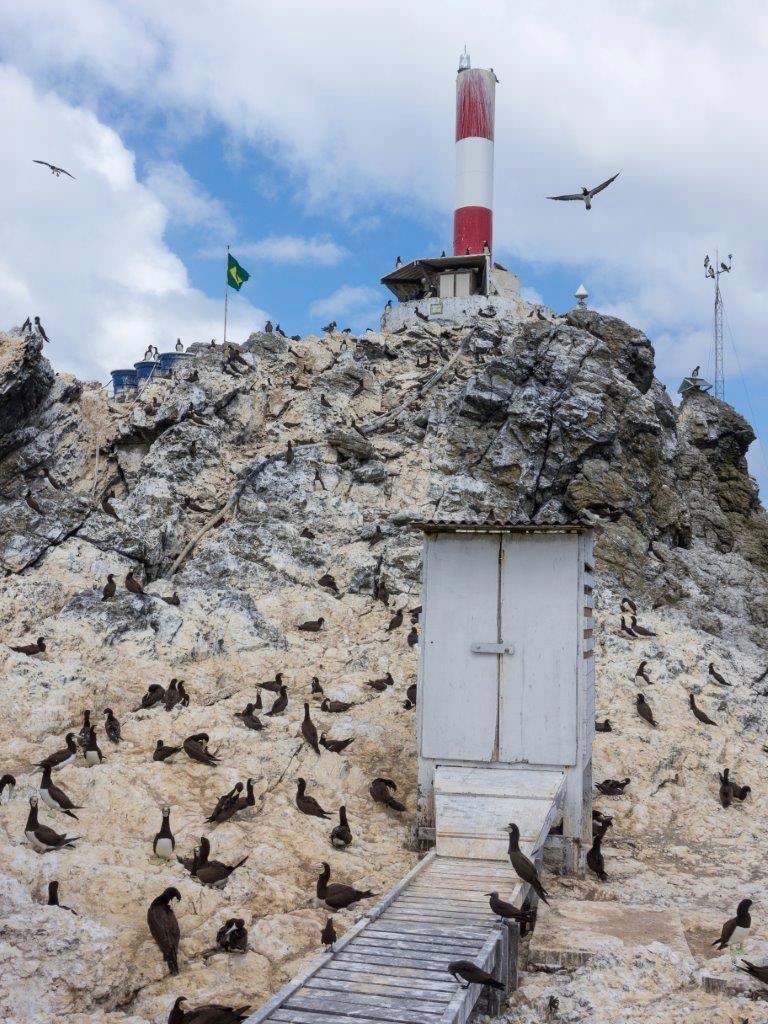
pixel 347 300
pixel 290 249
pixel 185 199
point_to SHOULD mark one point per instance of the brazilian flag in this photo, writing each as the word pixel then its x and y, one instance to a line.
pixel 236 275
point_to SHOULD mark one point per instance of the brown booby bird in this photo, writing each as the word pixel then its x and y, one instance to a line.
pixel 232 937
pixel 242 803
pixel 716 675
pixel 328 934
pixel 642 673
pixel 336 895
pixel 289 455
pixel 644 710
pixel 740 792
pixel 702 717
pixel 381 790
pixel 164 927
pixel 55 797
pixel 335 746
pixel 396 621
pixel 613 787
pixel 108 508
pixel 341 834
pixel 133 584
pixel 111 726
pixel 309 730
pixel 41 837
pixel 465 970
pixel 164 844
pixel 61 758
pixel 308 804
pixel 335 707
pixel 595 859
pixel 38 647
pixel 8 781
pixel 628 605
pixel 163 752
pixel 249 720
pixel 507 911
pixel 196 747
pixel 33 503
pixel 258 706
pixel 413 637
pixel 327 581
pixel 523 867
pixel 173 600
pixel 641 630
pixel 110 588
pixel 760 973
pixel 210 1013
pixel 155 693
pixel 273 685
pixel 312 626
pixel 736 929
pixel 280 704
pixel 603 726
pixel 624 628
pixel 92 752
pixel 225 800
pixel 726 787
pixel 317 688
pixel 172 695
pixel 381 684
pixel 307 533
pixel 85 732
pixel 53 898
pixel 213 872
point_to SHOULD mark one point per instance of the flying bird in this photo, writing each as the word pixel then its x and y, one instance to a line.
pixel 587 194
pixel 55 171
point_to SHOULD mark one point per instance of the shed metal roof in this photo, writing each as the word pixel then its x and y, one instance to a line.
pixel 404 281
pixel 493 525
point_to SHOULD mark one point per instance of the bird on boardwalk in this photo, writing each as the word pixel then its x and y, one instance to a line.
pixel 210 1013
pixel 132 584
pixel 163 752
pixel 381 684
pixel 613 787
pixel 736 929
pixel 41 330
pixel 55 171
pixel 465 970
pixel 726 787
pixel 642 673
pixel 154 695
pixel 716 675
pixel 61 758
pixel 8 782
pixel 92 752
pixel 523 867
pixel 273 685
pixel 41 837
pixel 213 872
pixel 164 927
pixel 335 746
pixel 164 844
pixel 413 637
pixel 507 911
pixel 55 797
pixel 641 630
pixel 644 710
pixel 396 621
pixel 196 748
pixel 760 973
pixel 249 720
pixel 110 588
pixel 603 726
pixel 624 628
pixel 280 704
pixel 232 937
pixel 702 717
pixel 328 934
pixel 38 647
pixel 309 730
pixel 381 790
pixel 53 898
pixel 312 626
pixel 595 860
pixel 308 804
pixel 341 834
pixel 335 707
pixel 587 194
pixel 336 895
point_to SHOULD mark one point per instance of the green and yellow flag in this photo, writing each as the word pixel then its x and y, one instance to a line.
pixel 236 275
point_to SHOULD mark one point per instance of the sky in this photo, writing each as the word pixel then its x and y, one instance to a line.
pixel 316 138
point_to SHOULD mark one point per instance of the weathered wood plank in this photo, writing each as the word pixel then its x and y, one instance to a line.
pixel 393 960
pixel 438 917
pixel 396 978
pixel 427 940
pixel 364 1006
pixel 405 952
pixel 308 1017
pixel 405 994
pixel 435 931
pixel 448 948
pixel 417 871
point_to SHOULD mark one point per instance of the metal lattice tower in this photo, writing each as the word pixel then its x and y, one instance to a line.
pixel 714 270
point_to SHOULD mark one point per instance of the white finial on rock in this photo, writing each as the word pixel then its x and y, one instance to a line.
pixel 581 295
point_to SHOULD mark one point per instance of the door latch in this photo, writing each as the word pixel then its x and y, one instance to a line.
pixel 501 648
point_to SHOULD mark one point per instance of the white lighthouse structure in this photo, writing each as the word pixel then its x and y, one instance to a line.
pixel 452 289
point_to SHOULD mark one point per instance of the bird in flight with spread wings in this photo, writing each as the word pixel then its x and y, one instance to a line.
pixel 57 171
pixel 588 194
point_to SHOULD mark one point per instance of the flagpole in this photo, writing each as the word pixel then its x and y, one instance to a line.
pixel 226 296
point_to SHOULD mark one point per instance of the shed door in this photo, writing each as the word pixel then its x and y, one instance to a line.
pixel 460 698
pixel 539 609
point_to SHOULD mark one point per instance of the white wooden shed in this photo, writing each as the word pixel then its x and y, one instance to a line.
pixel 506 686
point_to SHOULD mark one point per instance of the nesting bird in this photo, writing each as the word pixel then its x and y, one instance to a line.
pixel 154 695
pixel 644 710
pixel 312 626
pixel 164 927
pixel 38 647
pixel 232 937
pixel 613 787
pixel 308 804
pixel 335 707
pixel 335 746
pixel 336 895
pixel 196 748
pixel 132 584
pixel 341 834
pixel 162 752
pixel 42 838
pixel 381 790
pixel 714 674
pixel 249 720
pixel 53 898
pixel 211 1013
pixel 280 704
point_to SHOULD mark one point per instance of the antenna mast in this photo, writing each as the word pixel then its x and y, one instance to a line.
pixel 714 270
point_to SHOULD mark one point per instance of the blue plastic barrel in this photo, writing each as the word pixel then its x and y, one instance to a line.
pixel 123 380
pixel 170 359
pixel 144 369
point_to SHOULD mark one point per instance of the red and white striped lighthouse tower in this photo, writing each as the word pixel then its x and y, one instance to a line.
pixel 475 111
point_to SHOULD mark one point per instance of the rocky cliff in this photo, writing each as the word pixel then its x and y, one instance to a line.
pixel 238 483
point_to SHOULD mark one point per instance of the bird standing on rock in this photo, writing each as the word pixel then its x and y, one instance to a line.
pixel 336 895
pixel 736 929
pixel 56 798
pixel 196 748
pixel 341 834
pixel 595 860
pixel 110 588
pixel 53 898
pixel 523 867
pixel 644 710
pixel 40 836
pixel 164 844
pixel 92 752
pixel 280 704
pixel 313 626
pixel 413 637
pixel 308 804
pixel 396 621
pixel 309 730
pixel 726 787
pixel 381 790
pixel 603 726
pixel 31 649
pixel 642 673
pixel 85 732
pixel 714 674
pixel 132 584
pixel 641 630
pixel 249 720
pixel 164 927
pixel 702 717
pixel 273 685
pixel 61 758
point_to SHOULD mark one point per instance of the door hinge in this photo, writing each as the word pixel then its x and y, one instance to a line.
pixel 492 648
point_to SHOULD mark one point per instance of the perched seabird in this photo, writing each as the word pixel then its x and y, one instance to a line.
pixel 507 911
pixel 132 584
pixel 613 787
pixel 258 706
pixel 173 600
pixel 55 797
pixel 716 675
pixel 396 621
pixel 381 684
pixel 57 173
pixel 702 717
pixel 410 693
pixel 92 752
pixel 736 929
pixel 328 934
pixel 53 898
pixel 110 588
pixel 307 533
pixel 108 508
pixel 249 720
pixel 31 649
pixel 313 626
pixel 164 927
pixel 603 726
pixel 172 695
pixel 624 628
pixel 376 536
pixel 225 800
pixel 641 630
pixel 587 194
pixel 760 973
pixel 179 346
pixel 726 787
pixel 240 803
pixel 642 673
pixel 280 704
pixel 39 327
pixel 628 605
pixel 336 895
pixel 335 707
pixel 35 505
pixel 595 860
pixel 523 867
pixel 61 758
pixel 164 843
pixel 327 581
pixel 289 454
pixel 465 970
pixel 341 834
pixel 381 790
pixel 232 937
pixel 644 710
pixel 162 752
pixel 308 804
pixel 740 792
pixel 154 695
pixel 309 730
pixel 413 637
pixel 196 748
pixel 26 326
pixel 335 746
pixel 40 836
pixel 273 685
pixel 85 732
pixel 210 1013
pixel 317 687
pixel 8 782
pixel 212 872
